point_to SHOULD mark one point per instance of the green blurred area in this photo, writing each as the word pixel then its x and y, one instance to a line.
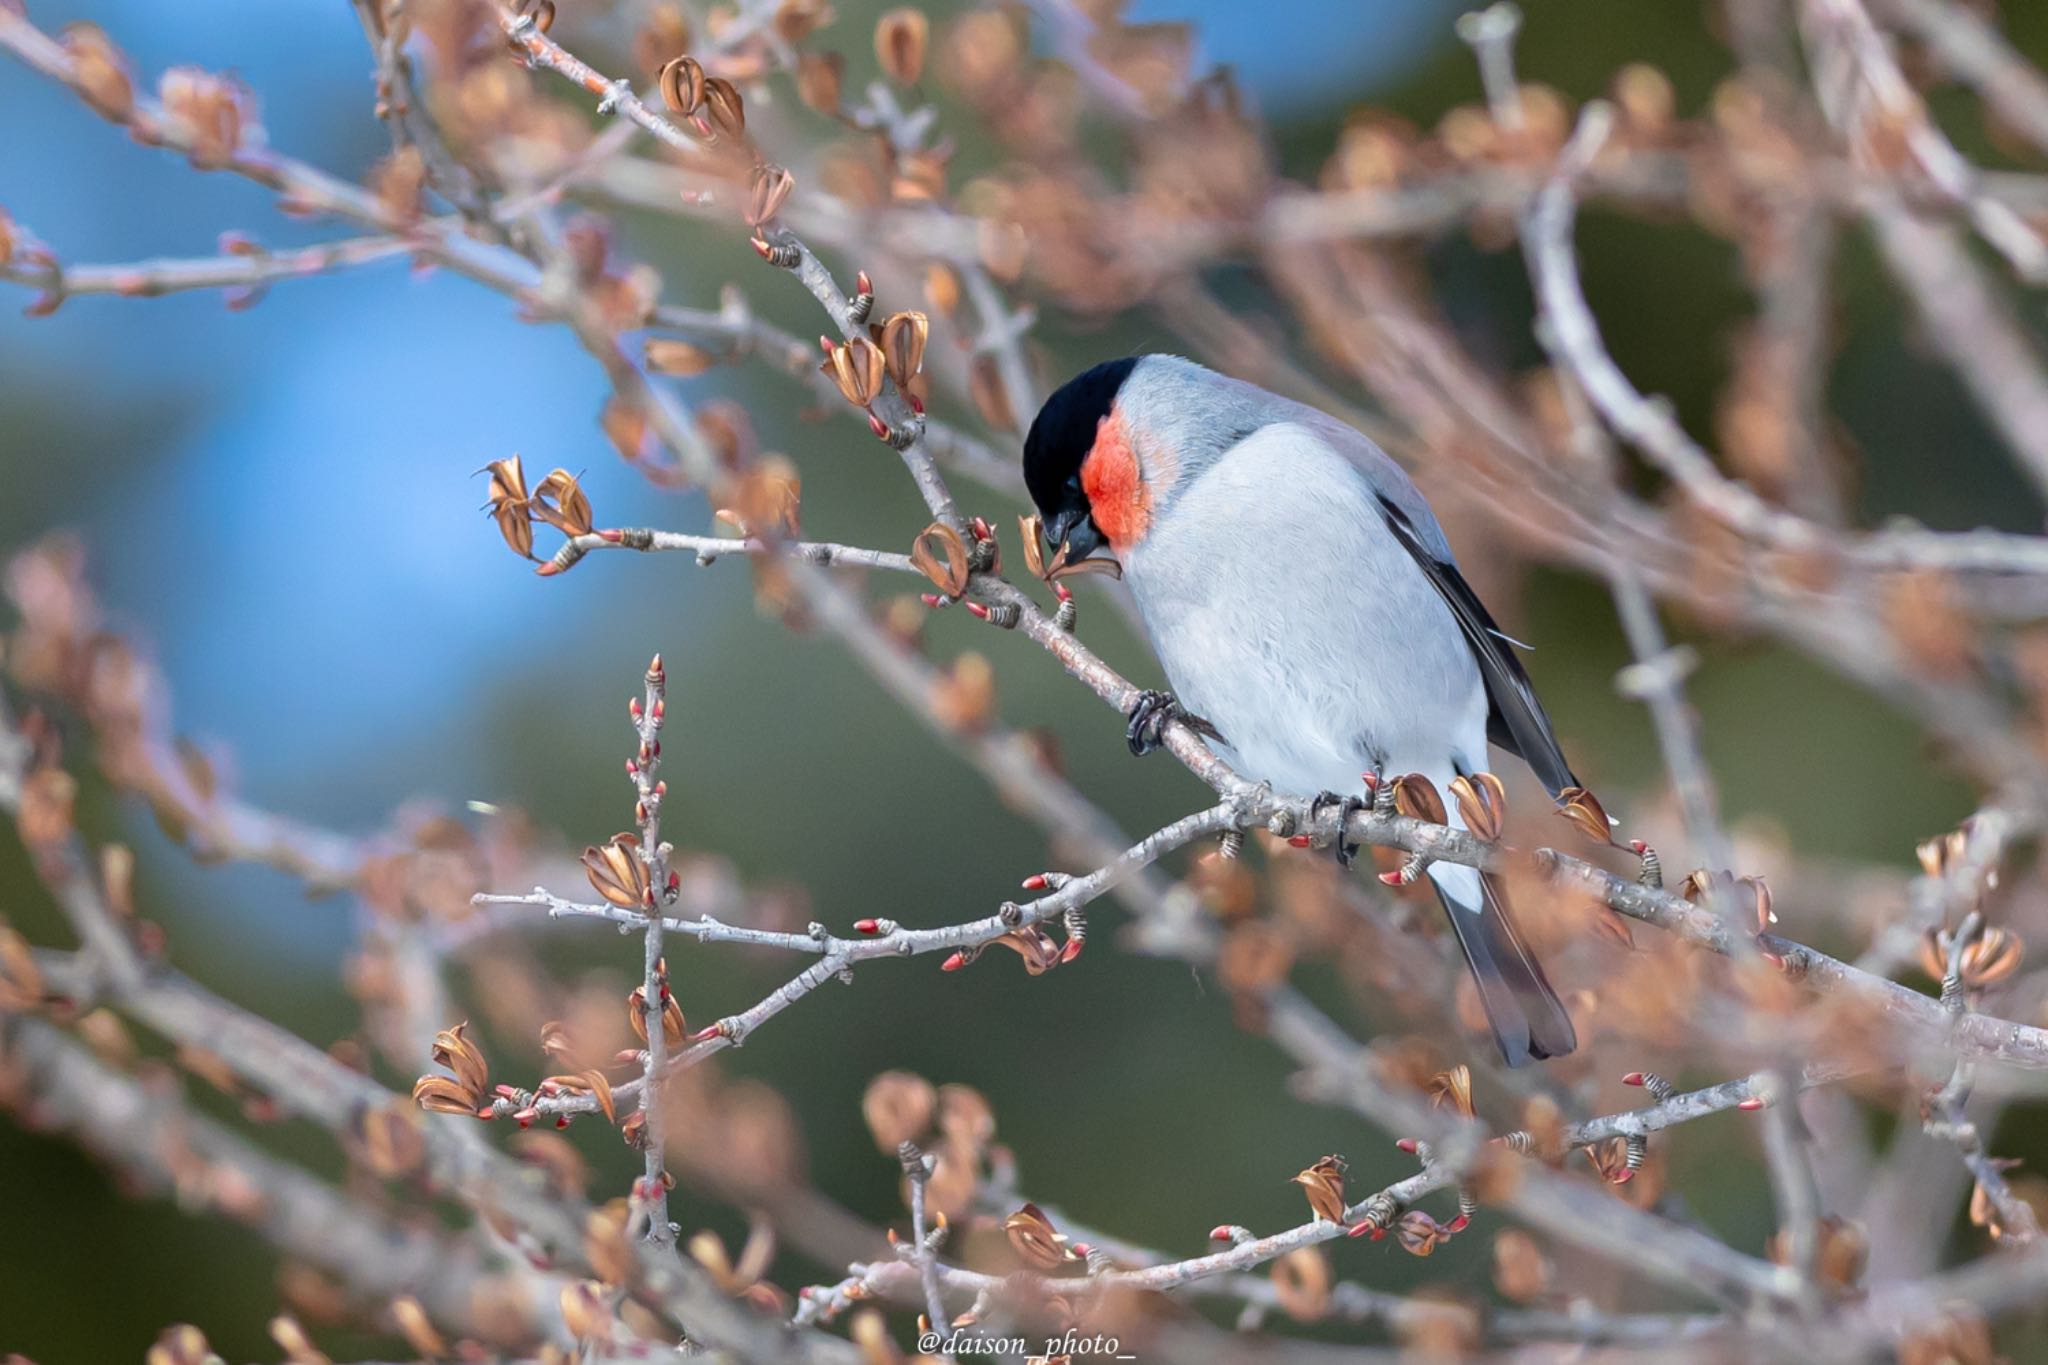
pixel 1130 1097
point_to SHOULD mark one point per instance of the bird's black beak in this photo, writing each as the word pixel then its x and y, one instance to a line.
pixel 1073 537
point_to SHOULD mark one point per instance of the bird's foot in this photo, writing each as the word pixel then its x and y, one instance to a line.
pixel 1152 713
pixel 1345 850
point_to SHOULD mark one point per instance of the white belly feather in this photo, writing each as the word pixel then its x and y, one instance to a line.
pixel 1287 614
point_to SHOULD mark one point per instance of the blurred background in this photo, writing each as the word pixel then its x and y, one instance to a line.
pixel 280 505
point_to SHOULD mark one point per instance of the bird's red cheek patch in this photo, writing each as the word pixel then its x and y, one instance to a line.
pixel 1117 494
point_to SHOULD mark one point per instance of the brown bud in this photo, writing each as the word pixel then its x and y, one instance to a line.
pixel 617 873
pixel 1482 805
pixel 902 345
pixel 1452 1090
pixel 901 38
pixel 820 80
pixel 724 109
pixel 665 355
pixel 991 397
pixel 941 555
pixel 898 1107
pixel 1520 1269
pixel 770 187
pixel 1035 946
pixel 1586 814
pixel 857 368
pixel 1301 1283
pixel 682 85
pixel 1036 1240
pixel 1417 797
pixel 453 1050
pixel 560 502
pixel 1323 1183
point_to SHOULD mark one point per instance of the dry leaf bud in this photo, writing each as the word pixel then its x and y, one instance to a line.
pixel 901 38
pixel 617 872
pixel 1323 1183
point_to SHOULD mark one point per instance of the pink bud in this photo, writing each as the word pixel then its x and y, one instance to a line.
pixel 1408 1145
pixel 1457 1225
pixel 1633 1078
pixel 862 284
pixel 954 963
pixel 1300 841
pixel 867 926
pixel 1220 1233
pixel 1035 882
pixel 1750 1105
pixel 613 536
pixel 1071 951
pixel 977 610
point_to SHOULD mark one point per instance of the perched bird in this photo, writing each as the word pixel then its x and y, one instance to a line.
pixel 1308 612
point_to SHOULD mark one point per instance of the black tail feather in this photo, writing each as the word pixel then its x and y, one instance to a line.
pixel 1528 1019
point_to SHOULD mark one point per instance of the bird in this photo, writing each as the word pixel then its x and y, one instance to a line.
pixel 1308 613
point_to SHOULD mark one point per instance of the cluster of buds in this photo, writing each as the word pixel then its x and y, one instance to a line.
pixel 862 367
pixel 558 501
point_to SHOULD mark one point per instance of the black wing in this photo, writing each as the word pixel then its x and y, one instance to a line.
pixel 1515 720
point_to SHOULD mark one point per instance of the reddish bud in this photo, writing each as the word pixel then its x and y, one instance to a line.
pixel 1035 882
pixel 508 1092
pixel 930 600
pixel 916 404
pixel 1750 1105
pixel 1063 592
pixel 655 670
pixel 613 536
pixel 633 767
pixel 526 1116
pixel 862 284
pixel 867 926
pixel 1300 841
pixel 826 345
pixel 1633 1078
pixel 1408 1145
pixel 1371 781
pixel 546 569
pixel 1638 847
pixel 762 248
pixel 1071 951
pixel 675 882
pixel 661 708
pixel 661 788
pixel 1398 877
pixel 977 610
pixel 633 707
pixel 954 963
pixel 1220 1233
pixel 702 1035
pixel 561 1120
pixel 879 427
pixel 1457 1225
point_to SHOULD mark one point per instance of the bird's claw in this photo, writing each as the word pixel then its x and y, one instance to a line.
pixel 1152 713
pixel 1345 850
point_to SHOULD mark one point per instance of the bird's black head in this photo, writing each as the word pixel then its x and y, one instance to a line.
pixel 1061 436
